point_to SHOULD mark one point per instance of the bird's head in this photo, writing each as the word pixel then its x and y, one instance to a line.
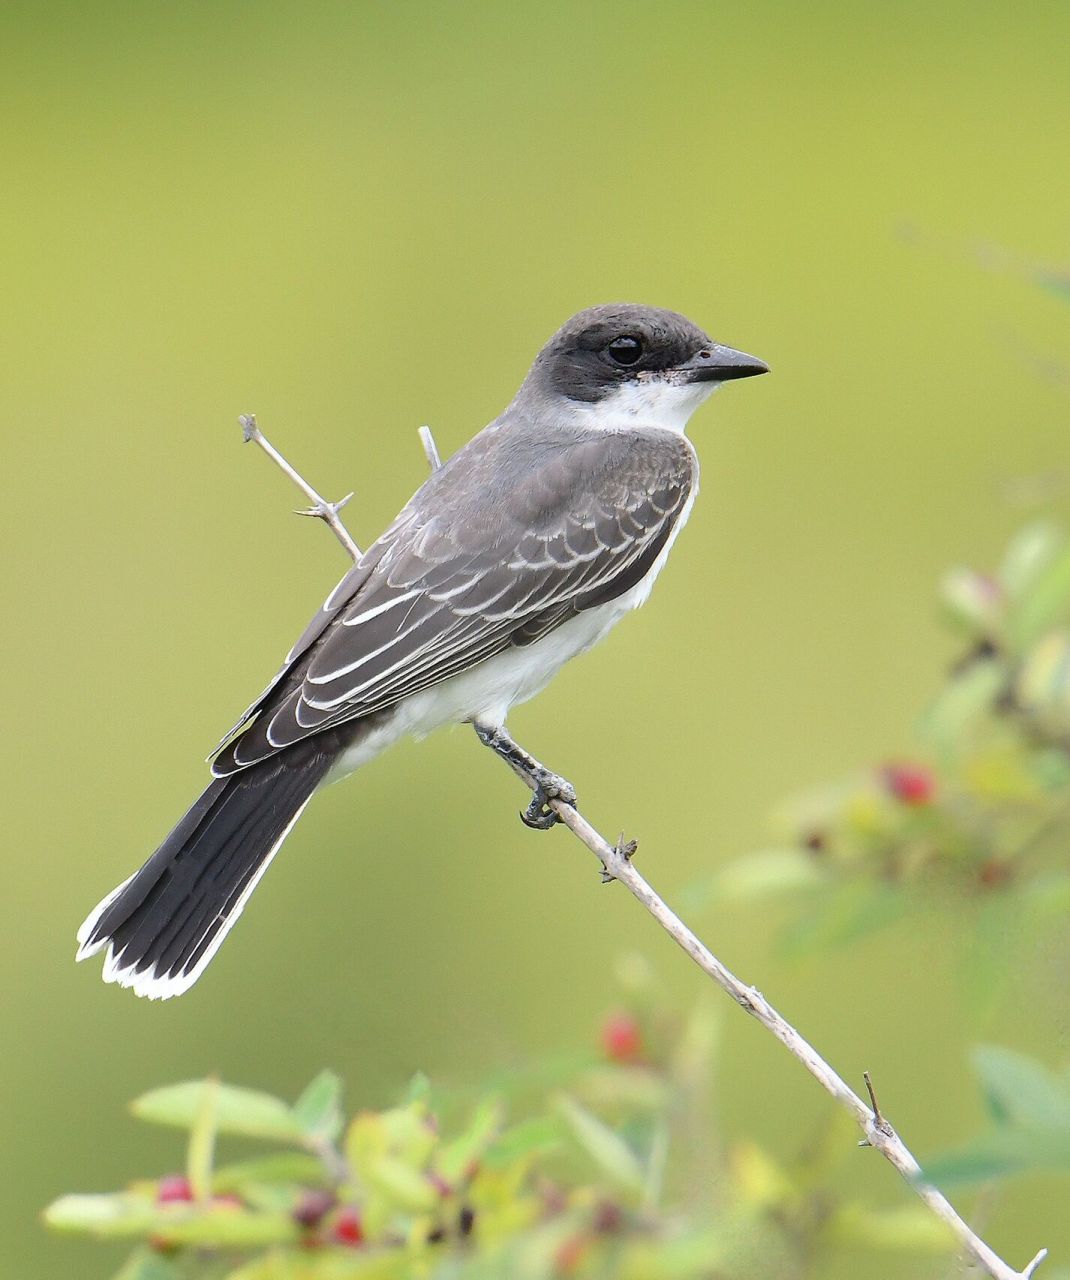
pixel 633 362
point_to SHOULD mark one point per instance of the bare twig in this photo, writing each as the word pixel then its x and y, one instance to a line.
pixel 617 864
pixel 320 507
pixel 876 1130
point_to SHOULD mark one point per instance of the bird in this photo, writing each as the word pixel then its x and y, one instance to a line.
pixel 518 553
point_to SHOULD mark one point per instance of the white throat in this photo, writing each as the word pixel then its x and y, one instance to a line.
pixel 653 400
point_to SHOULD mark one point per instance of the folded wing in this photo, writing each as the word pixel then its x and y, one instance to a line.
pixel 470 569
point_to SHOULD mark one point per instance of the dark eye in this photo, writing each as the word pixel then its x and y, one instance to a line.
pixel 625 350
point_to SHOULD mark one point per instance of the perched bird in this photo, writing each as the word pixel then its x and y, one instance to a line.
pixel 520 552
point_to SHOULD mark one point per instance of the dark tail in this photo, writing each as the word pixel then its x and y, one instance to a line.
pixel 164 924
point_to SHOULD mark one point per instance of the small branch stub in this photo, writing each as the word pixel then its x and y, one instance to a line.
pixel 879 1123
pixel 624 850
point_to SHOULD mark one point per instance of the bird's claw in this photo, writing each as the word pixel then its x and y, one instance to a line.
pixel 540 815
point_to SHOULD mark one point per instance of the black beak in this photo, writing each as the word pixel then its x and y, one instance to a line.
pixel 715 363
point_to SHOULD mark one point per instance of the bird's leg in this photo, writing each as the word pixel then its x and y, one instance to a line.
pixel 544 783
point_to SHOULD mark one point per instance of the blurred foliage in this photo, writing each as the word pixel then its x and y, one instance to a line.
pixel 979 821
pixel 1029 1112
pixel 604 1166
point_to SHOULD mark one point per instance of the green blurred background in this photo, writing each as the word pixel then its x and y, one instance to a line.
pixel 355 218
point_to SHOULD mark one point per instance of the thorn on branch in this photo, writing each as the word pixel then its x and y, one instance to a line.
pixel 622 849
pixel 879 1123
pixel 323 510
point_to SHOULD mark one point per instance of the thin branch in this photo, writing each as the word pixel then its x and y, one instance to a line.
pixel 320 507
pixel 617 864
pixel 877 1132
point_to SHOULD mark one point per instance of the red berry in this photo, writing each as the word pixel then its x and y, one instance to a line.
pixel 912 784
pixel 621 1038
pixel 173 1187
pixel 347 1228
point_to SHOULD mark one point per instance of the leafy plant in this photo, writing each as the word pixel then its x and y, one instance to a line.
pixel 591 1169
pixel 978 820
pixel 607 1164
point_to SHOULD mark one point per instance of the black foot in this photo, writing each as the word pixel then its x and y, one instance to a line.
pixel 549 786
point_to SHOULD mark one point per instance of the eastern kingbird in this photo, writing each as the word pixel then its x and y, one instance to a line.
pixel 520 552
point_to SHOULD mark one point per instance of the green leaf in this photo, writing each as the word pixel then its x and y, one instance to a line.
pixel 1044 603
pixel 406 1187
pixel 623 1088
pixel 538 1136
pixel 125 1215
pixel 852 911
pixel 1028 553
pixel 1042 685
pixel 289 1167
pixel 607 1149
pixel 972 600
pixel 911 1227
pixel 116 1215
pixel 319 1108
pixel 242 1111
pixel 232 1228
pixel 419 1089
pixel 996 1154
pixel 1031 1107
pixel 961 704
pixel 755 876
pixel 457 1158
pixel 410 1133
pixel 1021 1091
